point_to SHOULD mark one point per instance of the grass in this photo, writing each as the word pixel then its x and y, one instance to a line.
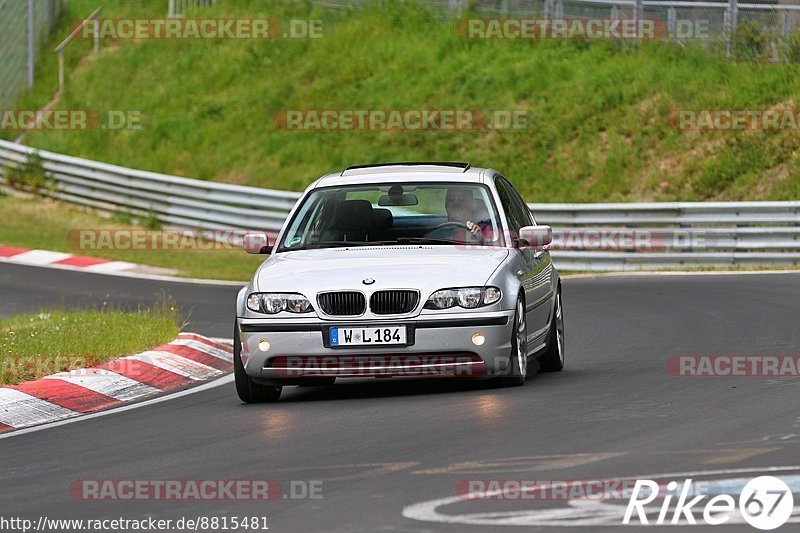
pixel 49 225
pixel 600 128
pixel 57 340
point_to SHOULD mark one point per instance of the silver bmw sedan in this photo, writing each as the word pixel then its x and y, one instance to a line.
pixel 400 270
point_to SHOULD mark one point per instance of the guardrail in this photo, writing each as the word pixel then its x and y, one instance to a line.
pixel 171 200
pixel 594 237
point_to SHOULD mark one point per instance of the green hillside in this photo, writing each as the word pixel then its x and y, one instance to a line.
pixel 599 113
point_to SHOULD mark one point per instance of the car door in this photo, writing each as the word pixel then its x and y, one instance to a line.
pixel 522 263
pixel 537 267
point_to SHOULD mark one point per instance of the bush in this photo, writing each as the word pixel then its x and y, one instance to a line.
pixel 151 221
pixel 792 47
pixel 749 41
pixel 30 175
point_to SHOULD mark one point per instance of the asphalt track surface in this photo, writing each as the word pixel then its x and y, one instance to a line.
pixel 380 447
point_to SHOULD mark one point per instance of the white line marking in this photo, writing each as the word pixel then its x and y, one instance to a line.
pixel 39 257
pixel 200 388
pixel 222 340
pixel 579 512
pixel 201 346
pixel 106 382
pixel 177 364
pixel 18 409
pixel 111 266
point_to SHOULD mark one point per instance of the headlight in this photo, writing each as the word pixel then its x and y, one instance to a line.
pixel 468 298
pixel 273 303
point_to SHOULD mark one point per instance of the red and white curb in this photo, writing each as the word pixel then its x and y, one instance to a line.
pixel 188 359
pixel 23 256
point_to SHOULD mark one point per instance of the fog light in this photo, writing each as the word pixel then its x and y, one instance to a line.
pixel 263 345
pixel 478 339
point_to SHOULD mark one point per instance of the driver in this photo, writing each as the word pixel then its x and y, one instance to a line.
pixel 462 207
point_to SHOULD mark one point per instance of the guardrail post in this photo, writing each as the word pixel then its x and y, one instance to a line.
pixel 638 15
pixel 672 21
pixel 785 25
pixel 730 21
pixel 454 6
pixel 31 44
pixel 61 70
pixel 726 31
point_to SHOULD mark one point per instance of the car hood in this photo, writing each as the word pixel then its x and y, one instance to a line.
pixel 427 268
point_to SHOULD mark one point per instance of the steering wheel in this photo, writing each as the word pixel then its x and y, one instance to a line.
pixel 453 224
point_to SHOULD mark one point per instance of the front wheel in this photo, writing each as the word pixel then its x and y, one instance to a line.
pixel 518 367
pixel 553 359
pixel 246 388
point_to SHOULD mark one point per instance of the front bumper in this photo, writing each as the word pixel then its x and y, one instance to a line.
pixel 439 345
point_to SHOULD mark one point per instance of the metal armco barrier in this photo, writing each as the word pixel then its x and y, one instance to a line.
pixel 592 237
pixel 172 200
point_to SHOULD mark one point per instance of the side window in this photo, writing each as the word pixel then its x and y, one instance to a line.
pixel 515 213
pixel 505 201
pixel 525 211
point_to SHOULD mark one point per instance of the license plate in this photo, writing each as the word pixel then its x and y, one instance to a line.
pixel 368 336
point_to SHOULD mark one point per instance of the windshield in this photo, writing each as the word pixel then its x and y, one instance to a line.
pixel 394 213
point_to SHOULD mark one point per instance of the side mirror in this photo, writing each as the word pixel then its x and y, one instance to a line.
pixel 535 236
pixel 256 243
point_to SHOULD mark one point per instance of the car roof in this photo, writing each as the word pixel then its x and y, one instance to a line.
pixel 411 172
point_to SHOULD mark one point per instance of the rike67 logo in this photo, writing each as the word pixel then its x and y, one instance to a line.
pixel 765 503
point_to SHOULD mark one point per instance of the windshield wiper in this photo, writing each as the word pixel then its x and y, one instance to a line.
pixel 401 240
pixel 330 244
pixel 426 240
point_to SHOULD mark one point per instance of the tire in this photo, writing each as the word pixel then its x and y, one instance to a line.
pixel 246 388
pixel 553 359
pixel 518 367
